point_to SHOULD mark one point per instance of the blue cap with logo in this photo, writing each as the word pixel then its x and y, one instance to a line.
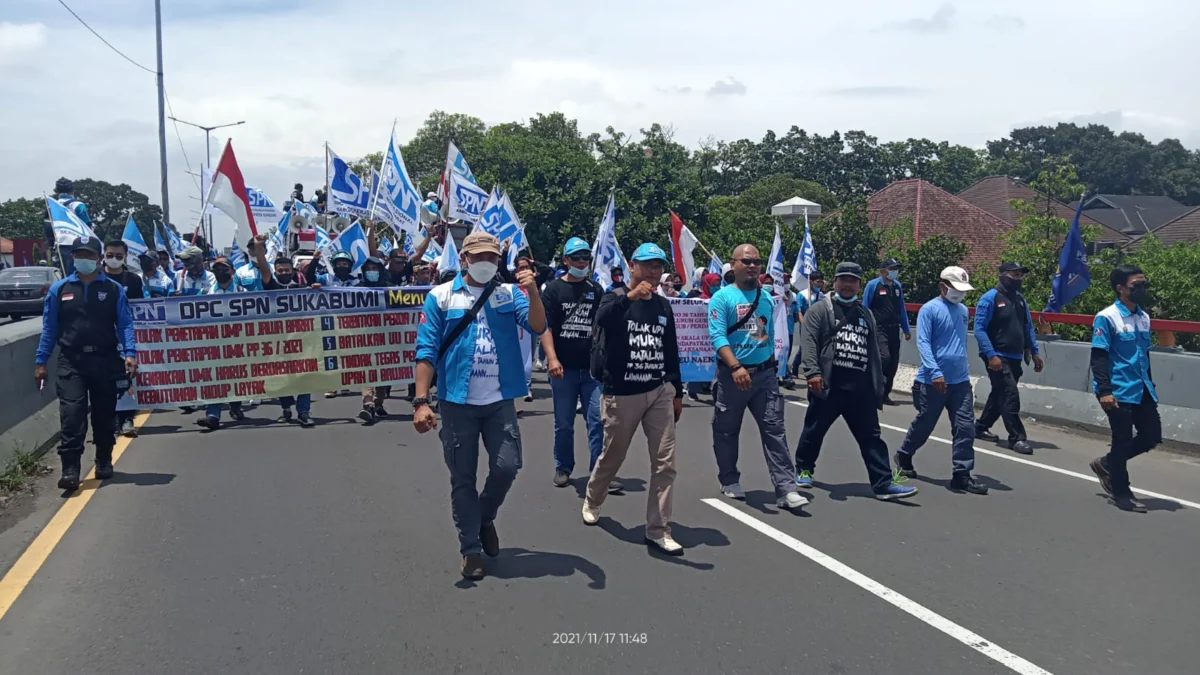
pixel 649 251
pixel 575 245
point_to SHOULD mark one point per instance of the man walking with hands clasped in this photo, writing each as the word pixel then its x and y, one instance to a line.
pixel 637 358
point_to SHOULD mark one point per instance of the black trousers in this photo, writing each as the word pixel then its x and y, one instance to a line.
pixel 87 384
pixel 862 416
pixel 1124 420
pixel 890 355
pixel 1005 399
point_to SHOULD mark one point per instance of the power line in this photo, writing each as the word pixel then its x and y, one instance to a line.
pixel 178 136
pixel 106 42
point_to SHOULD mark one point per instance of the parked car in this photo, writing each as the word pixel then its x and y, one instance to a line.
pixel 23 290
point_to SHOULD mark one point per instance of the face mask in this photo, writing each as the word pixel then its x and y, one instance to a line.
pixel 1011 284
pixel 341 270
pixel 617 280
pixel 223 276
pixel 893 274
pixel 285 279
pixel 114 263
pixel 1137 292
pixel 578 272
pixel 844 300
pixel 372 275
pixel 482 272
pixel 678 287
pixel 195 270
pixel 85 266
pixel 954 296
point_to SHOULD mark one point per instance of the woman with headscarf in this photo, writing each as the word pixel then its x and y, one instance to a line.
pixel 666 286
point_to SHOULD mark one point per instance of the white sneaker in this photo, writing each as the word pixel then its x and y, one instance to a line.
pixel 666 544
pixel 591 516
pixel 792 500
pixel 734 491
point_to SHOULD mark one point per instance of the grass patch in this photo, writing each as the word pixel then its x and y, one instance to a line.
pixel 22 467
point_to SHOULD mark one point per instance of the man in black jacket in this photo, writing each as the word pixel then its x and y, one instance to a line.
pixel 115 254
pixel 1004 331
pixel 642 386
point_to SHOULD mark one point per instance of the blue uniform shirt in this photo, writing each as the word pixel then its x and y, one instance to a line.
pixel 942 342
pixel 160 284
pixel 983 318
pixel 754 342
pixel 1125 335
pixel 125 336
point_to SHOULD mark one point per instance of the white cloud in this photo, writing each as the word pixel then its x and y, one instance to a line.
pixel 18 40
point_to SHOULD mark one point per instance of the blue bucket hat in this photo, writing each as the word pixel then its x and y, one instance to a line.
pixel 649 251
pixel 575 245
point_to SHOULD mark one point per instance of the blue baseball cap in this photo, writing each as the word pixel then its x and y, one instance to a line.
pixel 649 251
pixel 575 245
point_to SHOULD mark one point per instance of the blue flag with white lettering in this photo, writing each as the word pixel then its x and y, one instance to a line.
pixel 1073 276
pixel 347 192
pixel 353 240
pixel 67 226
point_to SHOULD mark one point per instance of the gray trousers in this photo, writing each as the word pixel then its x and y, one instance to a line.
pixel 461 428
pixel 766 406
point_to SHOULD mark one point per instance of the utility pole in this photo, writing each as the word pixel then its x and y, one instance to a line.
pixel 162 122
pixel 207 157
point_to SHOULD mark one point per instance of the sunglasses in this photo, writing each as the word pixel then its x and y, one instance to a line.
pixel 115 256
pixel 751 262
pixel 582 257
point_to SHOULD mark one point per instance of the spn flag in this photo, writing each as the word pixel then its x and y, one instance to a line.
pixel 228 192
pixel 466 199
pixel 67 226
pixel 398 199
pixel 806 260
pixel 1073 276
pixel 386 246
pixel 133 239
pixel 352 240
pixel 449 258
pixel 606 249
pixel 683 243
pixel 347 192
pixel 775 261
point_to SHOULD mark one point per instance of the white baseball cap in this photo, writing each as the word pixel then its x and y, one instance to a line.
pixel 958 279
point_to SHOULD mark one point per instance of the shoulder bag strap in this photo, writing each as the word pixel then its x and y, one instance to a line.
pixel 742 321
pixel 467 319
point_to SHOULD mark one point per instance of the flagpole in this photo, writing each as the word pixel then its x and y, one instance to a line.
pixel 698 242
pixel 327 202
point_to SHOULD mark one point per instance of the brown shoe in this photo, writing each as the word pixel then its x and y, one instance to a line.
pixel 472 567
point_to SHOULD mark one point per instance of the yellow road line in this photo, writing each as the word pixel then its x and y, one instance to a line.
pixel 17 578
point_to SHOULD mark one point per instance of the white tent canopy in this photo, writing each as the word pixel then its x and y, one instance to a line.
pixel 795 208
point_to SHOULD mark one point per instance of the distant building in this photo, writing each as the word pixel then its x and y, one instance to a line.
pixel 994 194
pixel 1185 228
pixel 1133 215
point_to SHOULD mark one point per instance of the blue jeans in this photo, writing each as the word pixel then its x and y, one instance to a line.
pixel 213 410
pixel 461 428
pixel 959 404
pixel 575 385
pixel 303 403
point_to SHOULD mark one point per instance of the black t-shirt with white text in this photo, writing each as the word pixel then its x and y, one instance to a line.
pixel 641 345
pixel 850 355
pixel 570 312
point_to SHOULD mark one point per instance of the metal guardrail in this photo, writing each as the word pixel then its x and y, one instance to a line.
pixel 1166 328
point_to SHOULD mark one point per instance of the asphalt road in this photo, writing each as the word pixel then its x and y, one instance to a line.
pixel 262 549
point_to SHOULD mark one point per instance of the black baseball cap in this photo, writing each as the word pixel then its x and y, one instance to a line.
pixel 848 269
pixel 87 244
pixel 890 263
pixel 397 253
pixel 1012 267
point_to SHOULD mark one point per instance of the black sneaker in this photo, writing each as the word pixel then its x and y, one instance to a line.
pixel 1101 472
pixel 1022 448
pixel 237 415
pixel 187 409
pixel 472 567
pixel 561 478
pixel 615 487
pixel 210 423
pixel 285 416
pixel 1125 503
pixel 965 482
pixel 985 435
pixel 904 465
pixel 306 421
pixel 490 540
pixel 70 475
pixel 380 412
pixel 367 415
pixel 887 400
pixel 104 469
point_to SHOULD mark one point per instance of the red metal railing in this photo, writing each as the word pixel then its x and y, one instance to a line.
pixel 1166 328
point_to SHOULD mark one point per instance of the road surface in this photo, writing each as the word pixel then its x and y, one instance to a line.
pixel 267 549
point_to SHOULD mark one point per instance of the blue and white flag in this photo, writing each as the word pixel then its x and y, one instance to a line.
pixel 173 241
pixel 159 243
pixel 500 219
pixel 432 252
pixel 352 240
pixel 262 208
pixel 607 250
pixel 67 226
pixel 466 199
pixel 133 239
pixel 1073 276
pixel 449 257
pixel 775 262
pixel 715 264
pixel 237 256
pixel 397 197
pixel 347 192
pixel 410 247
pixel 386 246
pixel 277 242
pixel 323 238
pixel 457 164
pixel 514 250
pixel 806 260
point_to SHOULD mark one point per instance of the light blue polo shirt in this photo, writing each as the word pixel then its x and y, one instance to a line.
pixel 754 342
pixel 1125 335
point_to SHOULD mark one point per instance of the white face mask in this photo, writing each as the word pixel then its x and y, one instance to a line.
pixel 113 263
pixel 955 296
pixel 482 272
pixel 577 272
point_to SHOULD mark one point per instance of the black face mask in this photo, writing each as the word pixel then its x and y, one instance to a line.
pixel 223 275
pixel 1011 284
pixel 1138 291
pixel 678 287
pixel 195 270
pixel 285 279
pixel 341 270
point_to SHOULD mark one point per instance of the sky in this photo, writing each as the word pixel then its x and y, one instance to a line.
pixel 305 72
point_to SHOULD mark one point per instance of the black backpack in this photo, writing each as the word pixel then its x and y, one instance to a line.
pixel 599 355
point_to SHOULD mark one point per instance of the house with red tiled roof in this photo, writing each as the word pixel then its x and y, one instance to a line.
pixel 935 211
pixel 994 194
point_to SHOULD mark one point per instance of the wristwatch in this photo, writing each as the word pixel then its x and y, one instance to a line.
pixel 420 401
pixel 737 368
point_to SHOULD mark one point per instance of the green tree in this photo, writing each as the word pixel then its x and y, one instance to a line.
pixel 846 236
pixel 923 262
pixel 425 154
pixel 111 205
pixel 22 218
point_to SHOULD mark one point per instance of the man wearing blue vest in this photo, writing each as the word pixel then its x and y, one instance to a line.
pixel 468 336
pixel 1123 383
pixel 87 316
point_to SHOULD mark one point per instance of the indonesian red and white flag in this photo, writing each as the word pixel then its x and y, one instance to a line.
pixel 683 242
pixel 228 192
